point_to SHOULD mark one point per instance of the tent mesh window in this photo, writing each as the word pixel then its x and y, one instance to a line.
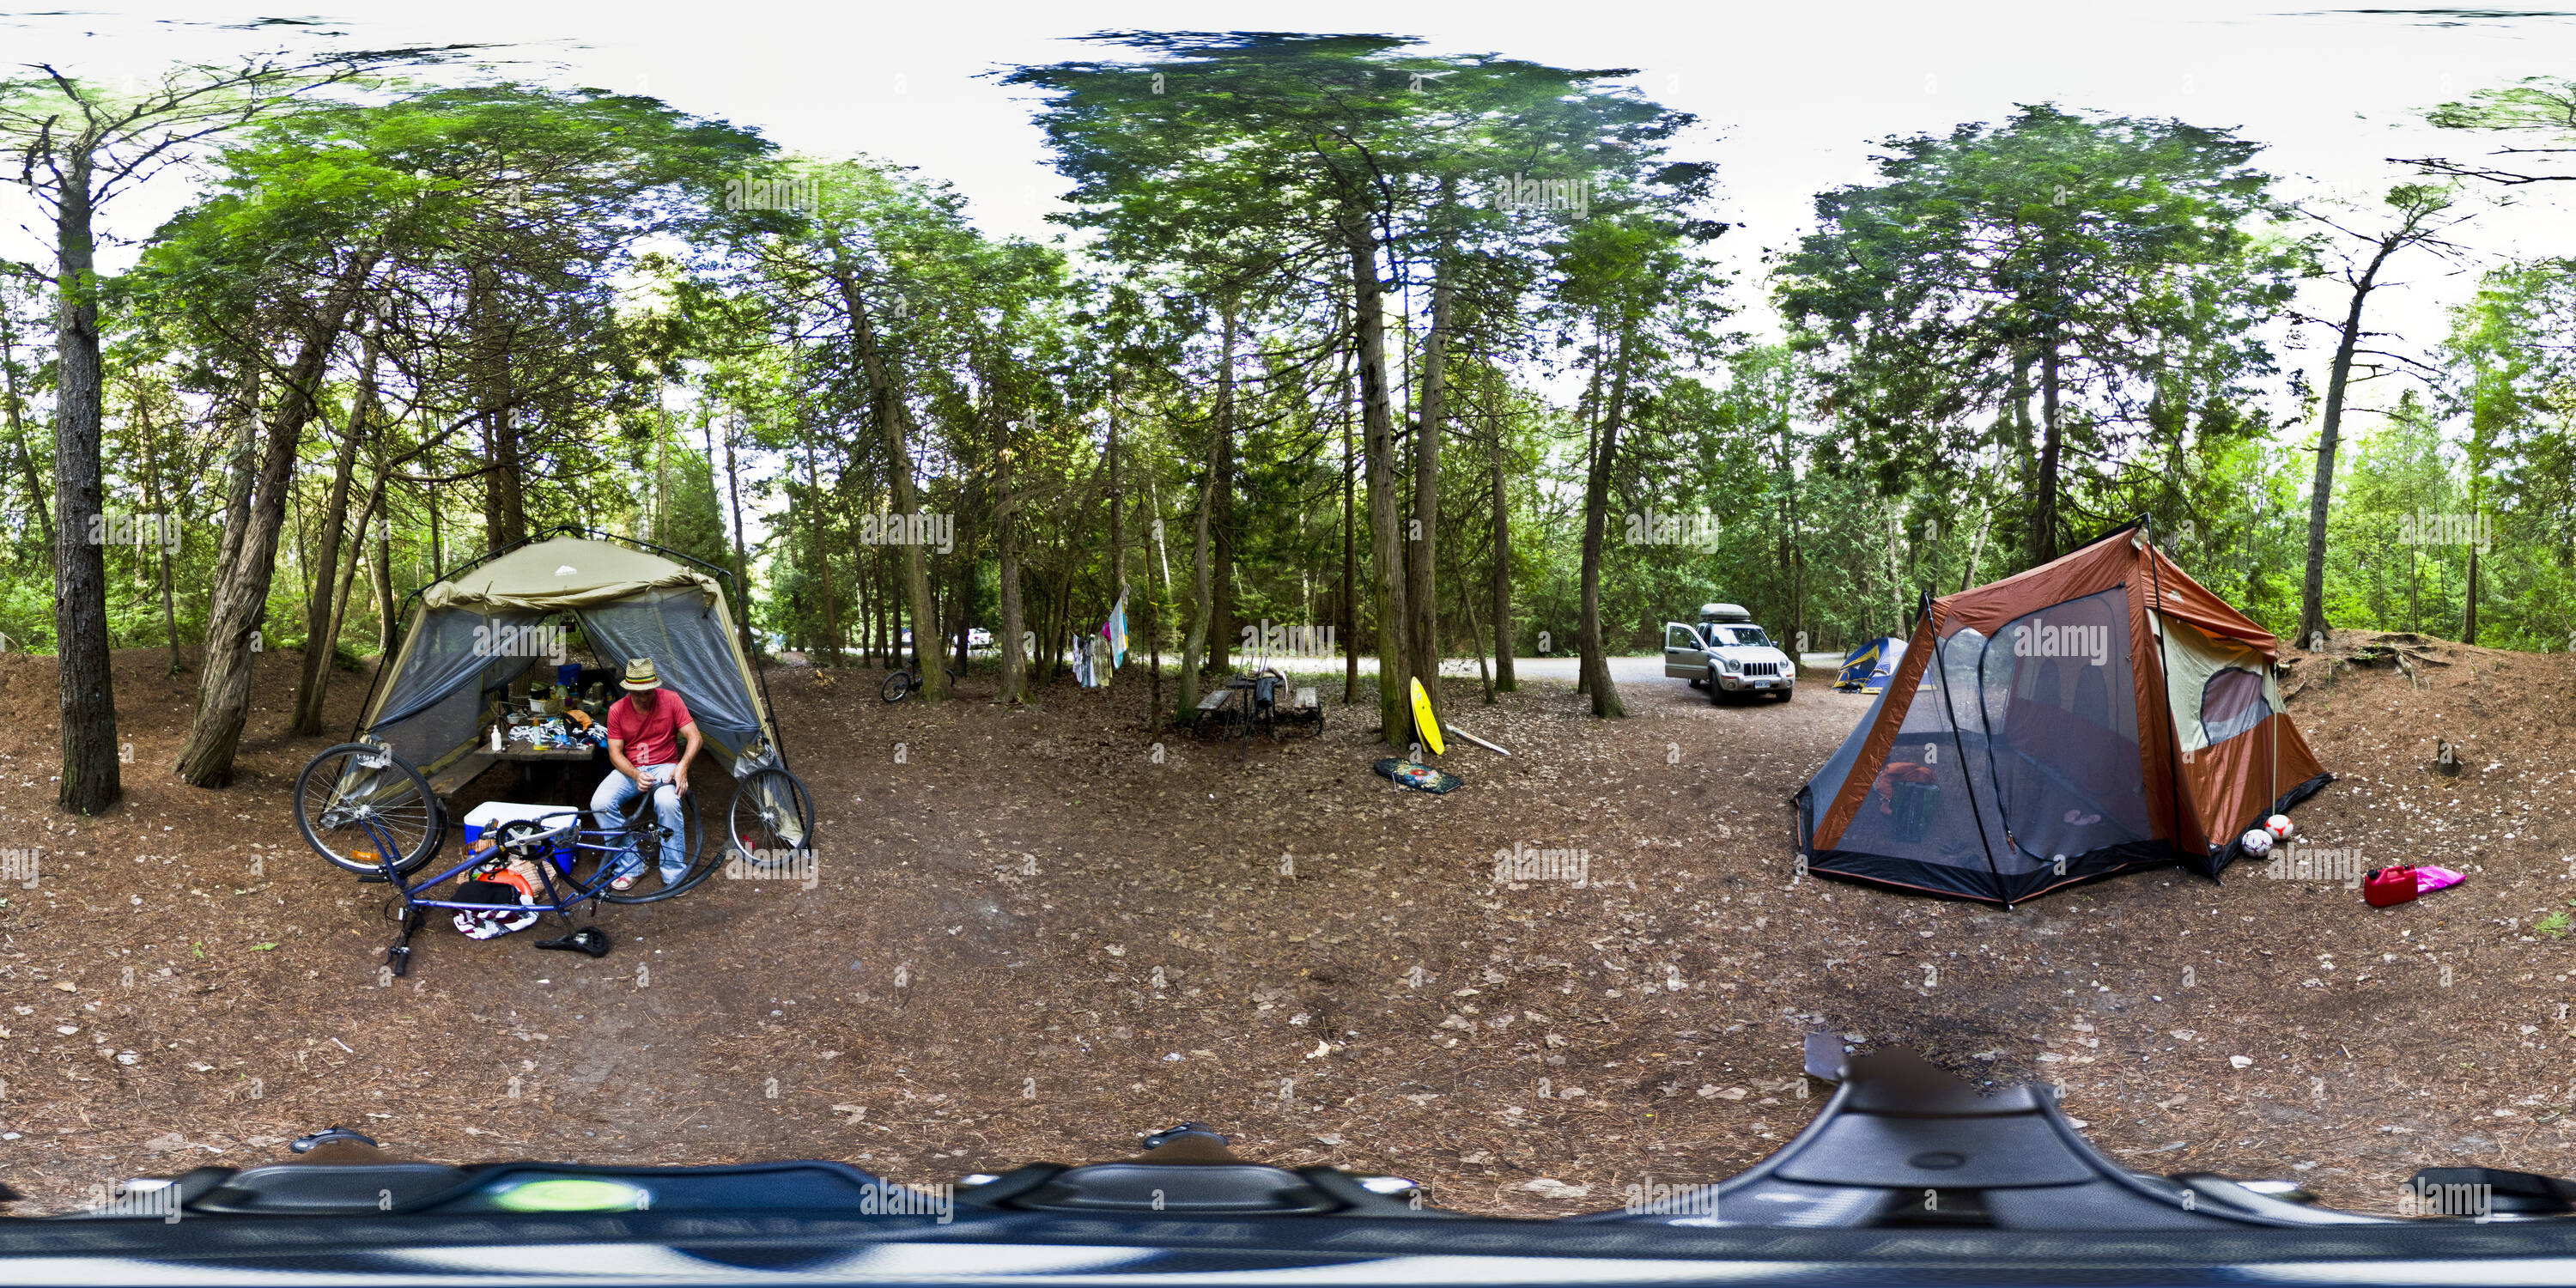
pixel 1924 800
pixel 2060 725
pixel 456 661
pixel 2230 704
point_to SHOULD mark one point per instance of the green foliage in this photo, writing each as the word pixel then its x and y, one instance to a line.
pixel 687 514
pixel 570 275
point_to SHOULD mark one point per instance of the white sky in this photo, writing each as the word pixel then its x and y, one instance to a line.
pixel 1790 94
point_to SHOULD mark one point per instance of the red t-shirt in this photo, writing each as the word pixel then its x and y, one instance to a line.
pixel 651 738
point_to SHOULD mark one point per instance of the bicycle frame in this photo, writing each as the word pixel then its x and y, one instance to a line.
pixel 559 901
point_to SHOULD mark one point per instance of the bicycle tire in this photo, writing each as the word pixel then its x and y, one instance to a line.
pixel 767 808
pixel 404 808
pixel 896 688
pixel 642 828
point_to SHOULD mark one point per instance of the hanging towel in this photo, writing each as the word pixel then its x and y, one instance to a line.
pixel 1115 631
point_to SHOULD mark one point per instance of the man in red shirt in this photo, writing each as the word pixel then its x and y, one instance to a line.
pixel 651 741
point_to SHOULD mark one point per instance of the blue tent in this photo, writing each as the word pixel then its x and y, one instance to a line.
pixel 1866 668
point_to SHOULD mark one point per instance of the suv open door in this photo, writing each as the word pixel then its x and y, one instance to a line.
pixel 1685 657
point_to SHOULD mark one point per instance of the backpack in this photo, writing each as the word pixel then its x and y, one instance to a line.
pixel 500 884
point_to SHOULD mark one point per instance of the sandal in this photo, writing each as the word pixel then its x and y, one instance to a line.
pixel 622 884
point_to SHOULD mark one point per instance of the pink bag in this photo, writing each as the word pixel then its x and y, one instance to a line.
pixel 2386 887
pixel 2429 879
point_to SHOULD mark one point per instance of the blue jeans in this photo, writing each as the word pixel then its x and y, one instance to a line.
pixel 616 792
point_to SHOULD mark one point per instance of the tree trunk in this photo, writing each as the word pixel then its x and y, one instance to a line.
pixel 18 428
pixel 1977 545
pixel 347 581
pixel 1386 536
pixel 1791 557
pixel 2043 519
pixel 1200 607
pixel 1895 578
pixel 1504 644
pixel 1596 519
pixel 2312 586
pixel 388 606
pixel 962 594
pixel 1222 623
pixel 1350 552
pixel 1006 555
pixel 1117 522
pixel 240 594
pixel 1476 640
pixel 741 560
pixel 86 682
pixel 2469 611
pixel 1422 643
pixel 321 608
pixel 822 551
pixel 2026 444
pixel 505 516
pixel 892 420
pixel 1155 608
pixel 243 409
pixel 155 504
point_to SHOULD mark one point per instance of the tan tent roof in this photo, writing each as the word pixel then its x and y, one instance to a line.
pixel 561 573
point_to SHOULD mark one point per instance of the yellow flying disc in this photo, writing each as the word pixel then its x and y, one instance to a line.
pixel 1425 723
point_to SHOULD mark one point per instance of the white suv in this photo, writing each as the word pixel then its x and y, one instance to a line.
pixel 1726 653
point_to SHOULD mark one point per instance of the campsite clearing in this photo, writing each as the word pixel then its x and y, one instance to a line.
pixel 1029 940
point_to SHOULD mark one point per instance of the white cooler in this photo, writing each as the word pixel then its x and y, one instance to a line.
pixel 492 814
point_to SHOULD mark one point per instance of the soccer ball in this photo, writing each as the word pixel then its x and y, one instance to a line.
pixel 2279 826
pixel 2257 843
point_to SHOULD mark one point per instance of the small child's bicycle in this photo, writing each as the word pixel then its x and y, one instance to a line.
pixel 370 812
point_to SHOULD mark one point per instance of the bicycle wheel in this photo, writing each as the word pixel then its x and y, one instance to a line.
pixel 897 687
pixel 351 793
pixel 646 830
pixel 771 824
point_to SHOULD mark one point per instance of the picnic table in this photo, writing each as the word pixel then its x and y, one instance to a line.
pixel 1232 709
pixel 466 768
pixel 553 765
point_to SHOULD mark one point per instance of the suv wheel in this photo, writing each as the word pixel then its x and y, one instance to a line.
pixel 1716 695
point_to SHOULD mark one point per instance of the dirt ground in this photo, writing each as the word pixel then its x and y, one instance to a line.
pixel 1032 938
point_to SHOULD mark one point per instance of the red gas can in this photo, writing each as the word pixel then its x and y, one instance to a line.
pixel 2385 886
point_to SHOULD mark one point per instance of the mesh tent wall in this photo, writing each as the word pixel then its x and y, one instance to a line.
pixel 2097 714
pixel 471 642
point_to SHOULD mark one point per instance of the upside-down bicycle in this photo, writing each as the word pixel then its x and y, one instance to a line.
pixel 369 811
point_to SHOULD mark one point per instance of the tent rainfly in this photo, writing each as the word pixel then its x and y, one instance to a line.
pixel 2097 714
pixel 475 635
pixel 1867 667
